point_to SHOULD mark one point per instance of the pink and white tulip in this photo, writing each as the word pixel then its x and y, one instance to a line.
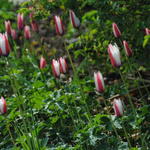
pixel 20 21
pixel 74 19
pixel 99 82
pixel 34 26
pixel 114 55
pixel 63 65
pixel 3 106
pixel 8 27
pixel 55 68
pixel 147 31
pixel 128 50
pixel 59 25
pixel 4 45
pixel 118 107
pixel 31 14
pixel 42 63
pixel 13 34
pixel 116 30
pixel 27 32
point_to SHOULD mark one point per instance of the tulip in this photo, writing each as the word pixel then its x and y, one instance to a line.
pixel 118 107
pixel 13 34
pixel 4 45
pixel 8 27
pixel 34 26
pixel 3 106
pixel 114 55
pixel 42 63
pixel 20 21
pixel 27 32
pixel 147 31
pixel 55 68
pixel 74 19
pixel 99 82
pixel 116 30
pixel 63 65
pixel 31 13
pixel 128 50
pixel 58 25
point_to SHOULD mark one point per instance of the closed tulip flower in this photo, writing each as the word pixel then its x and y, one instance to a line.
pixel 114 55
pixel 4 45
pixel 128 50
pixel 99 82
pixel 58 25
pixel 34 26
pixel 13 34
pixel 8 27
pixel 31 14
pixel 20 21
pixel 147 31
pixel 118 107
pixel 74 19
pixel 3 106
pixel 63 65
pixel 27 32
pixel 116 30
pixel 42 63
pixel 55 68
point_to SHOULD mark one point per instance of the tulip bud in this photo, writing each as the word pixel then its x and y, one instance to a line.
pixel 27 32
pixel 147 31
pixel 4 45
pixel 13 34
pixel 8 27
pixel 3 106
pixel 42 63
pixel 128 50
pixel 34 26
pixel 118 107
pixel 116 30
pixel 20 21
pixel 74 19
pixel 99 82
pixel 58 25
pixel 31 13
pixel 55 68
pixel 114 55
pixel 63 65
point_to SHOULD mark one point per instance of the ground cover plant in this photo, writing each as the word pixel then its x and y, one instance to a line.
pixel 75 75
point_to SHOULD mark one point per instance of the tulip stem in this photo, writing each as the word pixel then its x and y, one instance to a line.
pixel 77 79
pixel 70 59
pixel 111 120
pixel 18 95
pixel 126 134
pixel 13 141
pixel 143 82
pixel 129 97
pixel 115 127
pixel 129 65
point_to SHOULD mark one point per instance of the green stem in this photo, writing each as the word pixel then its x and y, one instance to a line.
pixel 112 122
pixel 126 134
pixel 14 85
pixel 143 83
pixel 129 65
pixel 115 127
pixel 13 141
pixel 128 94
pixel 78 82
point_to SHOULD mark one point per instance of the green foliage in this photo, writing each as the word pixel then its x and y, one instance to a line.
pixel 67 114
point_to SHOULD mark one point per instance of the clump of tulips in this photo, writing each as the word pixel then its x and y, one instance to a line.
pixel 59 66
